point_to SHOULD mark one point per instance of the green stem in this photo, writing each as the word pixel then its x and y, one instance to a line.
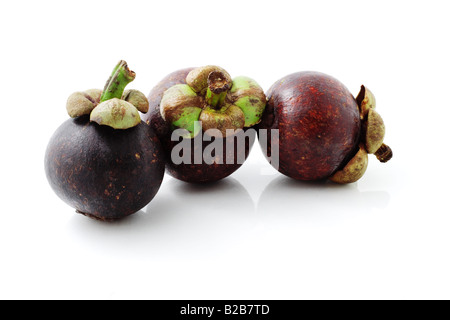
pixel 120 77
pixel 217 89
pixel 215 100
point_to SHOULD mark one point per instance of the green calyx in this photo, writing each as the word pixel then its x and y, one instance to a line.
pixel 222 122
pixel 250 98
pixel 114 106
pixel 212 97
pixel 116 113
pixel 181 107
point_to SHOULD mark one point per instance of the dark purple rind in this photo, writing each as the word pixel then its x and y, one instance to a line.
pixel 194 173
pixel 153 116
pixel 102 172
pixel 318 122
pixel 204 172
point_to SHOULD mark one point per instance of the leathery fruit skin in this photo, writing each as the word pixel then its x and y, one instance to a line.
pixel 318 121
pixel 193 173
pixel 102 172
pixel 153 116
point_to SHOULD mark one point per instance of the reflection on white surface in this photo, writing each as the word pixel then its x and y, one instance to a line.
pixel 287 201
pixel 183 220
pixel 203 221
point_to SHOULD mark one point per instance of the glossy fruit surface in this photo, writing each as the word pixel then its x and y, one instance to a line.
pixel 102 172
pixel 318 121
pixel 153 116
pixel 195 172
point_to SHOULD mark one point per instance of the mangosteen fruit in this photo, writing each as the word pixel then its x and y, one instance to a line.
pixel 315 129
pixel 205 121
pixel 104 161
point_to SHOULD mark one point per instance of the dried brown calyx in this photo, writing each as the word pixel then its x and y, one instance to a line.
pixel 81 103
pixel 373 132
pixel 354 169
pixel 373 125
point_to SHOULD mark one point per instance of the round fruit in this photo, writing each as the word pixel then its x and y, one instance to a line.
pixel 319 128
pixel 213 113
pixel 106 162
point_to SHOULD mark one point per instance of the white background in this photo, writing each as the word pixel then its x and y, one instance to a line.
pixel 256 234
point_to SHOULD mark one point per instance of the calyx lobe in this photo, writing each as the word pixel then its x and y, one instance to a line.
pixel 113 106
pixel 212 97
